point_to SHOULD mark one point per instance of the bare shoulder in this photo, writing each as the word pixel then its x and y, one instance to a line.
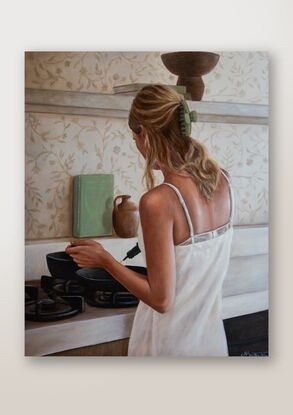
pixel 155 201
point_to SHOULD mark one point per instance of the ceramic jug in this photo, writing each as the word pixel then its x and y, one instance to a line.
pixel 125 217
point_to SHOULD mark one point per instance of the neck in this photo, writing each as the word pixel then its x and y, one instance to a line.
pixel 173 176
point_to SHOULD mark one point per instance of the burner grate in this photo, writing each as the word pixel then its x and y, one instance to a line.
pixel 57 286
pixel 110 299
pixel 49 309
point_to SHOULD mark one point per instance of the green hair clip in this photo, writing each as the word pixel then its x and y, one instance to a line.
pixel 186 118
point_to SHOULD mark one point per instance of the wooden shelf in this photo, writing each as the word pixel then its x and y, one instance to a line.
pixel 117 106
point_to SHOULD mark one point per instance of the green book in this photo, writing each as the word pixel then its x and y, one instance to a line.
pixel 93 196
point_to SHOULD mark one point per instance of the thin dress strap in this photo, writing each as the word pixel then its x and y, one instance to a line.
pixel 184 207
pixel 231 196
pixel 213 232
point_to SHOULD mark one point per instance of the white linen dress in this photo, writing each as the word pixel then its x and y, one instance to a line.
pixel 193 326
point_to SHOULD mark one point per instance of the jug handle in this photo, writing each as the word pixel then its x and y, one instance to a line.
pixel 122 197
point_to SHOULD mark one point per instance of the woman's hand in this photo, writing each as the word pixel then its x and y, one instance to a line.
pixel 76 242
pixel 87 253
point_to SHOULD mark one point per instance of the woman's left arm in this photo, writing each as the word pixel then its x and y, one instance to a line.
pixel 158 288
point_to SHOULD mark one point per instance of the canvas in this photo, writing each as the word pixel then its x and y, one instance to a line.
pixel 81 155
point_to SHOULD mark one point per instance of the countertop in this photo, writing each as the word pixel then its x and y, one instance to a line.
pixel 100 325
pixel 94 326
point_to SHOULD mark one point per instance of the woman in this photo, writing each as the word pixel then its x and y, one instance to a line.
pixel 185 235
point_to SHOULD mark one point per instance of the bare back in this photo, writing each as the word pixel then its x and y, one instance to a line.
pixel 205 216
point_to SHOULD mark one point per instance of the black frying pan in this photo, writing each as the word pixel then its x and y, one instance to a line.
pixel 98 279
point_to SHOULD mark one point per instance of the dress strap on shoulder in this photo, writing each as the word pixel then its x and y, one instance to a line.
pixel 184 207
pixel 231 196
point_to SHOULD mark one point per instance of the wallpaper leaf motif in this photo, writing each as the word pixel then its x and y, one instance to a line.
pixel 243 150
pixel 238 76
pixel 105 146
pixel 59 147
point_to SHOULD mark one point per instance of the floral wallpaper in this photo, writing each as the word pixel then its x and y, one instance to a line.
pixel 238 76
pixel 243 151
pixel 60 146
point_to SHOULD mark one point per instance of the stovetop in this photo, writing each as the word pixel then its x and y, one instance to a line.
pixel 58 286
pixel 110 299
pixel 51 308
pixel 57 299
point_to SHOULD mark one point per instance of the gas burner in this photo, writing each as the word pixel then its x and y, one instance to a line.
pixel 48 309
pixel 57 286
pixel 31 294
pixel 108 299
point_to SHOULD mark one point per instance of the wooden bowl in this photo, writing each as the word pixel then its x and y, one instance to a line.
pixel 190 67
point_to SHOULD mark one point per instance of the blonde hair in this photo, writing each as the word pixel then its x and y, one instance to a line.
pixel 156 107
